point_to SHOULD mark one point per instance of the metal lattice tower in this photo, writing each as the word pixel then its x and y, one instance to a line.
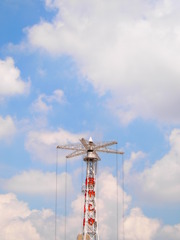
pixel 90 225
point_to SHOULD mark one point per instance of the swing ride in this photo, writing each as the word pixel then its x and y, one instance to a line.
pixel 89 149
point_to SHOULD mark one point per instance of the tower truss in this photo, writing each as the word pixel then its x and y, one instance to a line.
pixel 90 149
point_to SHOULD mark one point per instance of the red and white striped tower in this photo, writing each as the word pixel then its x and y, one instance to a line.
pixel 90 224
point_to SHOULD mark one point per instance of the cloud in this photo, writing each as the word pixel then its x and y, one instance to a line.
pixel 7 128
pixel 42 144
pixel 10 80
pixel 137 226
pixel 129 164
pixel 36 183
pixel 18 221
pixel 160 183
pixel 168 232
pixel 107 205
pixel 44 103
pixel 129 49
pixel 13 219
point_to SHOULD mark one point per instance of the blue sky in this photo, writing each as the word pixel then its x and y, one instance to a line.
pixel 72 69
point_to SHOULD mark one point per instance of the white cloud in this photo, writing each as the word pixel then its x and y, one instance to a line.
pixel 57 96
pixel 13 220
pixel 7 128
pixel 37 183
pixel 137 226
pixel 18 221
pixel 130 49
pixel 19 230
pixel 40 106
pixel 160 183
pixel 129 163
pixel 168 233
pixel 10 80
pixel 42 144
pixel 107 205
pixel 15 209
pixel 44 103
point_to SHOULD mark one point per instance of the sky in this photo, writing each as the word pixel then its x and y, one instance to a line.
pixel 106 69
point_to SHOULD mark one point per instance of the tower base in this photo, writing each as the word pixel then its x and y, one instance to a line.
pixel 80 237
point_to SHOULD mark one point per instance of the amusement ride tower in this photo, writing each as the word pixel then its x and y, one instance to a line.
pixel 90 225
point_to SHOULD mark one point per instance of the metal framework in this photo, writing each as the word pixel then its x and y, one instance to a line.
pixel 90 149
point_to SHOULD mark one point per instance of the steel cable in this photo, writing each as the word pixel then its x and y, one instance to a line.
pixel 55 228
pixel 117 193
pixel 123 232
pixel 65 201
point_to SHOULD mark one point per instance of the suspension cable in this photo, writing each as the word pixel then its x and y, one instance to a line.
pixel 123 232
pixel 65 200
pixel 117 193
pixel 56 186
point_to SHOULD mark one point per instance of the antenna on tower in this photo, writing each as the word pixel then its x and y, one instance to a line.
pixel 90 149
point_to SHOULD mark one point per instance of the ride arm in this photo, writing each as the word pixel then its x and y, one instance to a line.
pixel 106 150
pixel 84 143
pixel 71 147
pixel 76 153
pixel 103 145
